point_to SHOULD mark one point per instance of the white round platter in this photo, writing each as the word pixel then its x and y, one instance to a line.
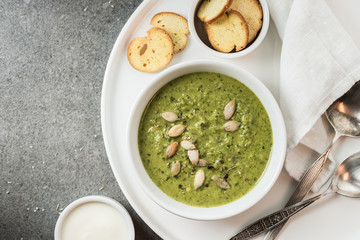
pixel 122 84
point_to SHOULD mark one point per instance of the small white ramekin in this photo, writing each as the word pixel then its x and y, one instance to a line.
pixel 200 37
pixel 94 198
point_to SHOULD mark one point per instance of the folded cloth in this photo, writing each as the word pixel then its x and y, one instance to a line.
pixel 319 63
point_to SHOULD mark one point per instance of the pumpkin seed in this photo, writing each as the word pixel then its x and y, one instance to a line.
pixel 176 130
pixel 171 150
pixel 175 168
pixel 229 110
pixel 193 156
pixel 220 182
pixel 187 145
pixel 231 126
pixel 202 163
pixel 199 178
pixel 170 116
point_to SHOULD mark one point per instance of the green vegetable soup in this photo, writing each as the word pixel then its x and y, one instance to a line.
pixel 238 157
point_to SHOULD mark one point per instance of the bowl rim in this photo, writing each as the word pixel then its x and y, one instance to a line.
pixel 270 174
pixel 259 39
pixel 94 198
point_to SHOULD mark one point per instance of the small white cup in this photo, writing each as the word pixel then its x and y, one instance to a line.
pixel 198 33
pixel 99 199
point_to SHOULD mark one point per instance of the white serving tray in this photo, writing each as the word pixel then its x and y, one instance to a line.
pixel 335 217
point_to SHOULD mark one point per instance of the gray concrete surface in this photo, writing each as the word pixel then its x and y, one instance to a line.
pixel 52 62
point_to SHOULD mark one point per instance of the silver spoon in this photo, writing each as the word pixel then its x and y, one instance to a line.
pixel 344 114
pixel 345 181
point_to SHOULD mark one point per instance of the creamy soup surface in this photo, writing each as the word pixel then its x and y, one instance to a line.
pixel 239 158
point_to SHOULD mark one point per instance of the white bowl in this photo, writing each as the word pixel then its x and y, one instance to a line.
pixel 273 167
pixel 126 223
pixel 198 33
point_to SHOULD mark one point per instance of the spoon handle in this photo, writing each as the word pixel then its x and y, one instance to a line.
pixel 300 192
pixel 304 186
pixel 273 220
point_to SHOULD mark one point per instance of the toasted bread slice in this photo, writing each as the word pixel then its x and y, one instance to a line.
pixel 176 25
pixel 228 33
pixel 251 10
pixel 149 54
pixel 210 10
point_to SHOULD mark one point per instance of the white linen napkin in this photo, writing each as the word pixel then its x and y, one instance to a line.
pixel 319 63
